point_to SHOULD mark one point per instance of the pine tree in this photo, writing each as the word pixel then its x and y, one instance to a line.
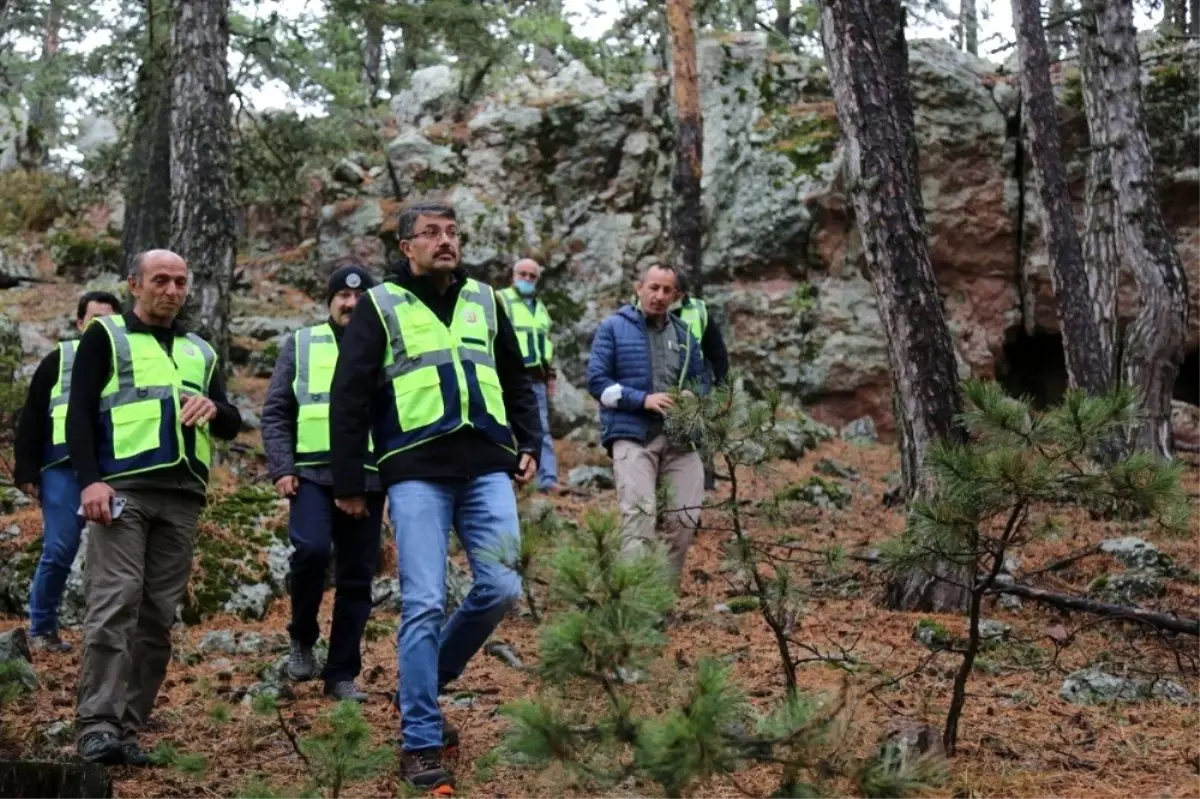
pixel 989 494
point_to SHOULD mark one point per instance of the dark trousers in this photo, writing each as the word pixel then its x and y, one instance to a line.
pixel 317 528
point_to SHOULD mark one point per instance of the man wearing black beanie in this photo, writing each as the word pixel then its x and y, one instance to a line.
pixel 295 429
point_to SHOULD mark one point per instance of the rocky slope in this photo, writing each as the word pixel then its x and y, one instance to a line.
pixel 576 172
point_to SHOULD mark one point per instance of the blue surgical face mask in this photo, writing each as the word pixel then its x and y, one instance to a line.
pixel 525 287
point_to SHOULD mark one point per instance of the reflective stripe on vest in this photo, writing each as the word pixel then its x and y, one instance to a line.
pixel 532 327
pixel 694 314
pixel 316 359
pixel 438 379
pixel 55 450
pixel 140 429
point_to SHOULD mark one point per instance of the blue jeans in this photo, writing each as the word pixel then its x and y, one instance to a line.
pixel 547 473
pixel 433 651
pixel 61 528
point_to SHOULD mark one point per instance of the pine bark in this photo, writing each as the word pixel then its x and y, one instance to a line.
pixel 1101 259
pixel 1153 349
pixel 1057 34
pixel 372 56
pixel 868 67
pixel 1080 331
pixel 202 217
pixel 148 170
pixel 783 18
pixel 42 128
pixel 968 26
pixel 686 216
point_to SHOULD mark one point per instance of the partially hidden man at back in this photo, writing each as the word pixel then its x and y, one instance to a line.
pixel 147 399
pixel 431 367
pixel 694 313
pixel 295 428
pixel 43 471
pixel 639 355
pixel 532 323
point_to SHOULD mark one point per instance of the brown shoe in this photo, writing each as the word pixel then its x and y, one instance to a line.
pixel 422 769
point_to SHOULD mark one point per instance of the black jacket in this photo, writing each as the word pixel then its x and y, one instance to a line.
pixel 93 368
pixel 29 445
pixel 463 454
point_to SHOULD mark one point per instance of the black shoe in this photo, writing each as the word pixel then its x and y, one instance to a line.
pixel 345 689
pixel 134 755
pixel 302 665
pixel 101 747
pixel 50 642
pixel 423 769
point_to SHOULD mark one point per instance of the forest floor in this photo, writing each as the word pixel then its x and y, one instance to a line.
pixel 1017 736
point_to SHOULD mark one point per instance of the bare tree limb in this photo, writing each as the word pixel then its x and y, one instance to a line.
pixel 1162 621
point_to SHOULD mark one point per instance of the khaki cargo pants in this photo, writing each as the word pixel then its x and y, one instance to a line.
pixel 639 470
pixel 135 573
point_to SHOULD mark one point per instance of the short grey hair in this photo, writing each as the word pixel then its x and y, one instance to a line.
pixel 533 261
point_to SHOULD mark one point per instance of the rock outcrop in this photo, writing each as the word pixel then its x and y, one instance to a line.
pixel 576 173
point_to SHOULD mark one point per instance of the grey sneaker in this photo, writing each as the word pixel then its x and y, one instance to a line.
pixel 50 642
pixel 302 665
pixel 345 689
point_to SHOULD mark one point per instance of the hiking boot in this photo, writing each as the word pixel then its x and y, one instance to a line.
pixel 50 642
pixel 422 769
pixel 134 754
pixel 302 665
pixel 101 747
pixel 345 689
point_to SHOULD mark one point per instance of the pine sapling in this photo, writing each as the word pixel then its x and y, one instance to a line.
pixel 987 495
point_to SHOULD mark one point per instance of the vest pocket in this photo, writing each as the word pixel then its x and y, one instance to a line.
pixel 493 394
pixel 419 400
pixel 312 426
pixel 136 427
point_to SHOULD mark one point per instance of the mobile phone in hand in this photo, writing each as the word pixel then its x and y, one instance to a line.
pixel 115 506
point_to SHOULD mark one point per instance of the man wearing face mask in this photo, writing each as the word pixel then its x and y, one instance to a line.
pixel 295 429
pixel 532 324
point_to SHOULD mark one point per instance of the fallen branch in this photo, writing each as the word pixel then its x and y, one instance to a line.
pixel 1161 621
pixel 504 653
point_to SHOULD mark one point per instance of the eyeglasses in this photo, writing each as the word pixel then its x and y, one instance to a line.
pixel 433 234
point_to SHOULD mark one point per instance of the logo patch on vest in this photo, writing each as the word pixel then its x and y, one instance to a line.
pixel 471 317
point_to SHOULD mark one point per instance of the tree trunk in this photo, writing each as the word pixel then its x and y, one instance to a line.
pixel 372 56
pixel 747 11
pixel 968 26
pixel 868 67
pixel 1193 28
pixel 783 18
pixel 1080 331
pixel 686 216
pixel 35 778
pixel 1153 350
pixel 148 170
pixel 1101 260
pixel 201 158
pixel 1056 35
pixel 42 128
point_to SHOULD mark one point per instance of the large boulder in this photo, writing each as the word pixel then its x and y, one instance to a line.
pixel 577 173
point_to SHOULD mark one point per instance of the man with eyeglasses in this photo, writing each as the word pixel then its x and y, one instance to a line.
pixel 430 370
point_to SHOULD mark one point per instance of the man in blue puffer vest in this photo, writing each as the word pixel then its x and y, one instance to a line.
pixel 638 356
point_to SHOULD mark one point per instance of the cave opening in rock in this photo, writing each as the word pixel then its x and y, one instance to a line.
pixel 1035 366
pixel 1187 384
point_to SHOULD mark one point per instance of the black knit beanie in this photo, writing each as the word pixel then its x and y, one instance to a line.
pixel 349 277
